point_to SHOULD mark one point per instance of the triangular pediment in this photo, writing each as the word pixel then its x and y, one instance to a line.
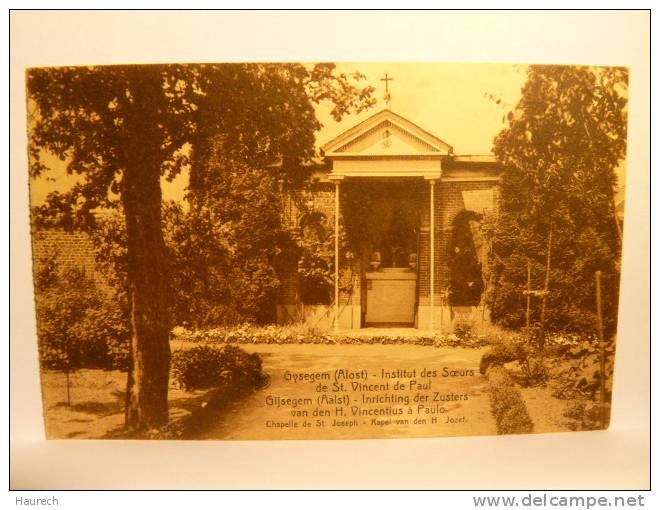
pixel 383 134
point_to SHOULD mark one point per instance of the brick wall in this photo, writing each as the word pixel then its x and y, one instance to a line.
pixel 73 250
pixel 320 198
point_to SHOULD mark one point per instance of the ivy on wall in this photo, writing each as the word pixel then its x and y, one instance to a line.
pixel 465 273
pixel 316 259
pixel 313 233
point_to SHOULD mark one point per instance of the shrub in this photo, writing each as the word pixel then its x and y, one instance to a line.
pixel 506 404
pixel 109 323
pixel 463 330
pixel 585 415
pixel 499 354
pixel 532 363
pixel 529 358
pixel 78 325
pixel 206 367
pixel 582 378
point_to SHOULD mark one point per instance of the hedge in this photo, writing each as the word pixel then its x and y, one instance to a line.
pixel 506 403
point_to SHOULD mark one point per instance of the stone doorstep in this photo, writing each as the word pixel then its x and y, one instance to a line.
pixel 384 332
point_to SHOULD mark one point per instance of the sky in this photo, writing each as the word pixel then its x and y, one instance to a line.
pixel 451 101
pixel 462 104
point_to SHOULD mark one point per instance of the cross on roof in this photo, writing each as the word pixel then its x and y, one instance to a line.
pixel 388 97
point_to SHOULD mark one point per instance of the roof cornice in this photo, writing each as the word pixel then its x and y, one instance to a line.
pixel 402 123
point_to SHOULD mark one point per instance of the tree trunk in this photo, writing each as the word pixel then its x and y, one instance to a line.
pixel 146 399
pixel 148 377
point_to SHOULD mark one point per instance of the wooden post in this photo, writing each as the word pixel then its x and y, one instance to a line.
pixel 547 280
pixel 67 369
pixel 68 388
pixel 599 313
pixel 283 212
pixel 529 294
pixel 432 256
pixel 443 303
pixel 336 317
pixel 545 292
pixel 616 221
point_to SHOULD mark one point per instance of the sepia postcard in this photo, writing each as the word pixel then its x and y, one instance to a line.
pixel 247 251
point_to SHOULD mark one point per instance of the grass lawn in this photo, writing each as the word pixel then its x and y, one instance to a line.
pixel 97 403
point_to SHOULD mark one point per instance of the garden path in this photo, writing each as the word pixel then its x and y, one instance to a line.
pixel 247 419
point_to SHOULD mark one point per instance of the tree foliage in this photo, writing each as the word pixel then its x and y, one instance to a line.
pixel 94 119
pixel 121 128
pixel 99 120
pixel 559 152
pixel 263 115
pixel 256 138
pixel 227 252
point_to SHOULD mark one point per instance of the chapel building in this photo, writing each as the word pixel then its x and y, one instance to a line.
pixel 384 199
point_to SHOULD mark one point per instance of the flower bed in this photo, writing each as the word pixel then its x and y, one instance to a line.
pixel 302 335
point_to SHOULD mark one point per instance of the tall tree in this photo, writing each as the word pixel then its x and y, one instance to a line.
pixel 120 128
pixel 560 151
